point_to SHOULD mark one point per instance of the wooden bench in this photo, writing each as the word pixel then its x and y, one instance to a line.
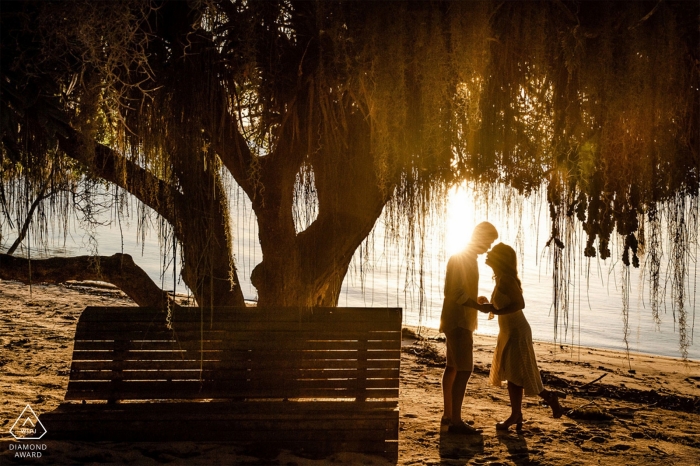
pixel 315 381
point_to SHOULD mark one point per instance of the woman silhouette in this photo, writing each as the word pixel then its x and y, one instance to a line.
pixel 514 358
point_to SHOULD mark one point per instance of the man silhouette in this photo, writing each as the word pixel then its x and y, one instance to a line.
pixel 458 322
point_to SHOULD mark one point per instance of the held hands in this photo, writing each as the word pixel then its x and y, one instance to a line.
pixel 484 305
pixel 481 304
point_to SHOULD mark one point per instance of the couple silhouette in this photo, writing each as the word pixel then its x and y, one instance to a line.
pixel 514 358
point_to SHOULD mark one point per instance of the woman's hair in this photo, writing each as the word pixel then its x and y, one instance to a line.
pixel 504 261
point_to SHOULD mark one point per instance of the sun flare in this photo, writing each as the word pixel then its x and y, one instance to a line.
pixel 460 219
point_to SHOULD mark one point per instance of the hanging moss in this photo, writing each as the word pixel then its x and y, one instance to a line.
pixel 594 102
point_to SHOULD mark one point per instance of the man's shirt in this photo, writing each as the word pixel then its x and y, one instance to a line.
pixel 461 283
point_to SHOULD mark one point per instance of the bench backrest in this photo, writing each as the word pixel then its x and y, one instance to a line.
pixel 129 353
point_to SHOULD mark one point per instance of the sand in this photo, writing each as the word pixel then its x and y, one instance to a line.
pixel 645 410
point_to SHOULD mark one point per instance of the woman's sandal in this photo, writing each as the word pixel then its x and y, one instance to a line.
pixel 552 399
pixel 509 422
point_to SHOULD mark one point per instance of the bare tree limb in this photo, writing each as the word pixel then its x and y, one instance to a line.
pixel 28 220
pixel 592 382
pixel 119 269
pixel 648 15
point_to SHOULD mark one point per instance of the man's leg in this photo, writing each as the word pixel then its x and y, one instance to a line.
pixel 458 389
pixel 448 380
pixel 457 373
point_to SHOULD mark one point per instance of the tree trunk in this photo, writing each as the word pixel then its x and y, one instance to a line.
pixel 209 269
pixel 308 269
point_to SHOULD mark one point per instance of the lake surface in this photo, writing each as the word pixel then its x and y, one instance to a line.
pixel 381 276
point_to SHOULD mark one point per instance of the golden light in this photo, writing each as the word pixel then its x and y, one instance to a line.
pixel 460 219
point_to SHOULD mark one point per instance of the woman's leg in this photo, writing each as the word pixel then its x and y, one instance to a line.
pixel 515 392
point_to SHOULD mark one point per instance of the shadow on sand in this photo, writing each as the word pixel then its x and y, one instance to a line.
pixel 518 451
pixel 459 449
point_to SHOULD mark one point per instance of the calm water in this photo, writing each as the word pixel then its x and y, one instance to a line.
pixel 381 276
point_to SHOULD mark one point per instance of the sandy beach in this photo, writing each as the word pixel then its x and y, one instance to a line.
pixel 644 410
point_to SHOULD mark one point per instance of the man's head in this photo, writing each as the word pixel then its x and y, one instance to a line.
pixel 483 237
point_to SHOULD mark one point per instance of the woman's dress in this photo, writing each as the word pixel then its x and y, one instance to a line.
pixel 514 358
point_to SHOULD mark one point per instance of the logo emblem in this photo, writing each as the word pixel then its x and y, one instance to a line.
pixel 28 426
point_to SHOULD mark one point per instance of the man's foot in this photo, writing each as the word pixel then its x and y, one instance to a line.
pixel 463 428
pixel 444 424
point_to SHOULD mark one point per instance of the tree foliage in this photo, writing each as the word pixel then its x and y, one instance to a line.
pixel 372 105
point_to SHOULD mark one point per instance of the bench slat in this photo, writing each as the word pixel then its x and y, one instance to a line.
pixel 257 358
pixel 223 314
pixel 224 327
pixel 233 385
pixel 170 336
pixel 167 345
pixel 191 390
pixel 225 409
pixel 196 374
pixel 78 366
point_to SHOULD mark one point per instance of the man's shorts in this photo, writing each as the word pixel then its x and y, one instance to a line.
pixel 460 349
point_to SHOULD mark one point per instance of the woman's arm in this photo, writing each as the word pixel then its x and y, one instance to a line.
pixel 509 287
pixel 509 309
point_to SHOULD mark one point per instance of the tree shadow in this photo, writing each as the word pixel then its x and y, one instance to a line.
pixel 516 445
pixel 460 448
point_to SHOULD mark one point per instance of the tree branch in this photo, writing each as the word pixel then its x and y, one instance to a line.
pixel 284 161
pixel 113 167
pixel 28 221
pixel 167 201
pixel 237 158
pixel 119 269
pixel 648 15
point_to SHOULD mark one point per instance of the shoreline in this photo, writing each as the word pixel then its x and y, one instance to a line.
pixel 564 348
pixel 432 332
pixel 642 418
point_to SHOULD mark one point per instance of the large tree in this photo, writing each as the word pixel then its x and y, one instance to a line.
pixel 357 104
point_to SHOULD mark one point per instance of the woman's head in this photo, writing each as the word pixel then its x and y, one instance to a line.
pixel 503 260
